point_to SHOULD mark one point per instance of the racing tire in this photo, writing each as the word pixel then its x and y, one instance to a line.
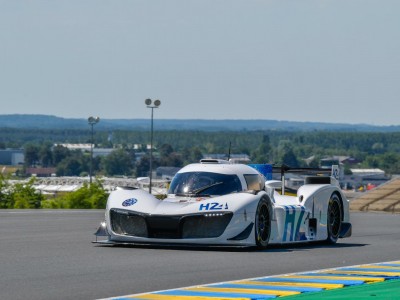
pixel 263 223
pixel 334 218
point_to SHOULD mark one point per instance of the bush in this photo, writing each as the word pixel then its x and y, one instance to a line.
pixel 55 203
pixel 19 195
pixel 88 196
pixel 23 195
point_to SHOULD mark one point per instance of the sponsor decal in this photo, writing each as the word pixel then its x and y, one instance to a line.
pixel 335 172
pixel 293 220
pixel 129 202
pixel 213 206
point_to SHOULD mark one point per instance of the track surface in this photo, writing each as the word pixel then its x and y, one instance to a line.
pixel 48 255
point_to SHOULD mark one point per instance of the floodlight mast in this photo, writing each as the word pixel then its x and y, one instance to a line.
pixel 92 121
pixel 152 105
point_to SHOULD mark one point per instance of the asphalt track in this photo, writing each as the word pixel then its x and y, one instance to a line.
pixel 48 254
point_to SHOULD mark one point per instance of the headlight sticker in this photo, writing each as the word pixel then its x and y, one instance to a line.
pixel 129 202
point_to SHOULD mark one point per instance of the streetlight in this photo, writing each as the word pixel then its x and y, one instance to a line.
pixel 152 105
pixel 92 121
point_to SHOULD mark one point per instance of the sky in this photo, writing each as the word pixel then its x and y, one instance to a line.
pixel 333 61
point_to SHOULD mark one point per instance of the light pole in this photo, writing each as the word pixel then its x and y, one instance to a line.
pixel 152 105
pixel 92 121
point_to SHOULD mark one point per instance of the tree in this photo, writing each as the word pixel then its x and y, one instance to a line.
pixel 290 159
pixel 31 153
pixel 143 166
pixel 347 170
pixel 60 153
pixel 377 148
pixel 168 157
pixel 165 150
pixel 287 155
pixel 314 162
pixel 45 155
pixel 262 154
pixel 390 162
pixel 371 161
pixel 118 162
pixel 70 166
pixel 191 155
pixel 172 160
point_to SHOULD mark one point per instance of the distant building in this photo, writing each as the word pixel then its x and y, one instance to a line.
pixel 12 157
pixel 136 147
pixel 328 162
pixel 86 147
pixel 139 155
pixel 41 172
pixel 102 151
pixel 240 158
pixel 368 173
pixel 341 161
pixel 365 177
pixel 82 147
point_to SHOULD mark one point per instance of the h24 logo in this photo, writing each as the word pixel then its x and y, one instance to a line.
pixel 213 206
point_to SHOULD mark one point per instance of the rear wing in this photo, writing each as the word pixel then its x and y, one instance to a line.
pixel 318 175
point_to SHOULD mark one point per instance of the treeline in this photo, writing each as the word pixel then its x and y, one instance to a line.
pixel 176 148
pixel 121 161
pixel 367 142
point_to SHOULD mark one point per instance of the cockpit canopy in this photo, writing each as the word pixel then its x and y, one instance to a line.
pixel 204 184
pixel 199 183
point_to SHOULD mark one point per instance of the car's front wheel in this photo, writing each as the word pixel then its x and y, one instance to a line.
pixel 334 218
pixel 263 223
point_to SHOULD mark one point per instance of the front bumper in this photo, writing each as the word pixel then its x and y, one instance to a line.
pixel 193 226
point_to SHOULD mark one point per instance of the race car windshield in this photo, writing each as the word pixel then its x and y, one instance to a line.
pixel 204 184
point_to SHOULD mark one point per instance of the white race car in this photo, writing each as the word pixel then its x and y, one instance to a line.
pixel 217 203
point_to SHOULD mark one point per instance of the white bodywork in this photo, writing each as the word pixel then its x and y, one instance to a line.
pixel 289 223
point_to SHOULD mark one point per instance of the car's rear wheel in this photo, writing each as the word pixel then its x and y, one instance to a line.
pixel 263 223
pixel 334 218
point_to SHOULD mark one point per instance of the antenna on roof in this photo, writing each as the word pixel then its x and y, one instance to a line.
pixel 229 153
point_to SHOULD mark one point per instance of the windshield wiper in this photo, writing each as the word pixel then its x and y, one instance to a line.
pixel 204 188
pixel 198 191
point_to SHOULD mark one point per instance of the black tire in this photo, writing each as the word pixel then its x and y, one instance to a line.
pixel 263 223
pixel 334 218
